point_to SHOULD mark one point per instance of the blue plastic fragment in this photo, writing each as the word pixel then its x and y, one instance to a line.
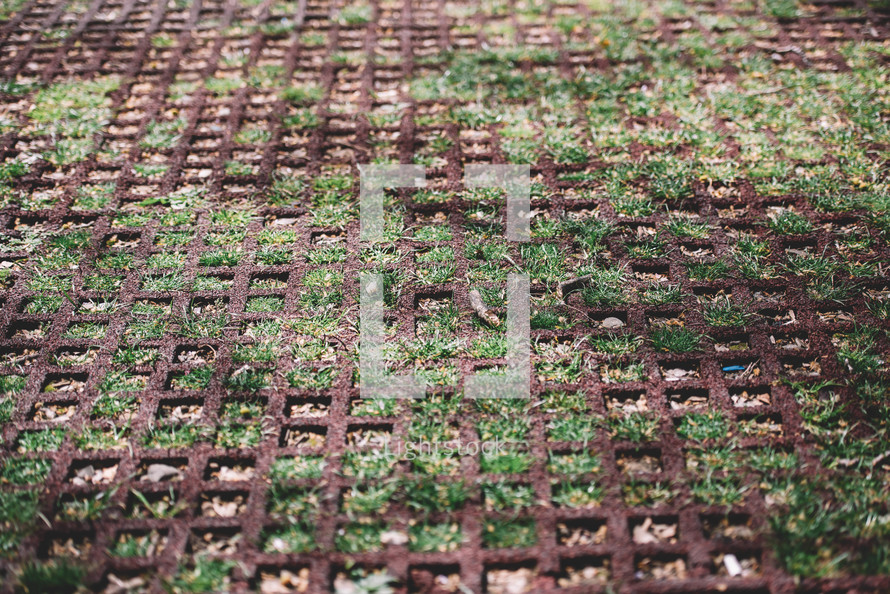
pixel 729 368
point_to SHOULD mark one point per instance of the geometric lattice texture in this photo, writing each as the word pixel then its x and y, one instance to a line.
pixel 179 285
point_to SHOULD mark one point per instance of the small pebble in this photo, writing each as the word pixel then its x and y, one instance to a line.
pixel 612 323
pixel 394 537
pixel 159 472
pixel 733 567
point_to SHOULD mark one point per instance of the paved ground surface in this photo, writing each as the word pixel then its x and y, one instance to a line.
pixel 179 285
